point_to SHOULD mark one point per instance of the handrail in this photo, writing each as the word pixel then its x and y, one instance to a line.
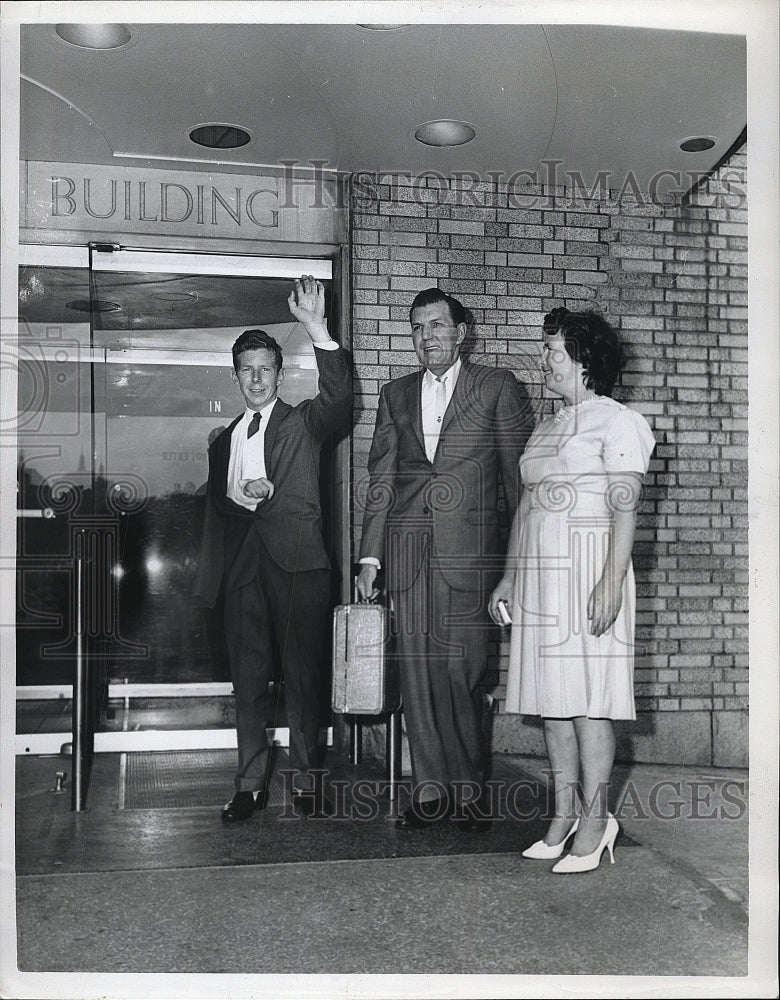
pixel 79 709
pixel 393 741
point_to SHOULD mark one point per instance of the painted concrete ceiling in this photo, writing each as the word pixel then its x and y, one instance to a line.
pixel 593 100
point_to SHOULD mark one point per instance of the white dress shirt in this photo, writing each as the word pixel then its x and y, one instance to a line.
pixel 430 425
pixel 431 420
pixel 247 456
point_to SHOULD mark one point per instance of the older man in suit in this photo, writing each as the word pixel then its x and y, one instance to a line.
pixel 263 488
pixel 443 437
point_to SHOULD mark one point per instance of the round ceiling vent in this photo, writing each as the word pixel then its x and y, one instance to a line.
pixel 697 144
pixel 218 136
pixel 444 132
pixel 95 36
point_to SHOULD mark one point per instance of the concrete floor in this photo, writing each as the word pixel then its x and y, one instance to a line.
pixel 173 891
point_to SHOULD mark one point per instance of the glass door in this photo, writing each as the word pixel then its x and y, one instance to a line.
pixel 156 390
pixel 54 482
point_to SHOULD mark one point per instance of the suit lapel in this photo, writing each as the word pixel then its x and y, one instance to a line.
pixel 223 456
pixel 414 402
pixel 459 396
pixel 414 406
pixel 279 412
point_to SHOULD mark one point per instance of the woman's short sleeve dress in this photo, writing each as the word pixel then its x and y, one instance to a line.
pixel 557 669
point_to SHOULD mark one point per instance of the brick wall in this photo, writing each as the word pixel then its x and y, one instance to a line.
pixel 673 279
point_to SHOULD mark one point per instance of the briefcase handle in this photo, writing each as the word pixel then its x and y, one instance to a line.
pixel 377 599
pixel 382 598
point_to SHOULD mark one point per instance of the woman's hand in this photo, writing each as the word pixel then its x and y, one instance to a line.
pixel 258 489
pixel 503 592
pixel 604 603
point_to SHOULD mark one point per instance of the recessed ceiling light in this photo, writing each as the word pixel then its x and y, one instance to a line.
pixel 219 136
pixel 444 132
pixel 697 143
pixel 95 36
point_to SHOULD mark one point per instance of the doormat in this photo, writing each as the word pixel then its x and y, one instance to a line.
pixel 177 779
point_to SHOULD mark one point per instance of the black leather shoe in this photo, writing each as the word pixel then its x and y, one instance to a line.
pixel 472 819
pixel 316 805
pixel 242 805
pixel 422 814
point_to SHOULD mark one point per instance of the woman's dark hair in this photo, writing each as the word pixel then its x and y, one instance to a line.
pixel 254 340
pixel 592 341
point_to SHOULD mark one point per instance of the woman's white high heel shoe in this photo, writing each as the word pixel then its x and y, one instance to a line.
pixel 549 852
pixel 587 862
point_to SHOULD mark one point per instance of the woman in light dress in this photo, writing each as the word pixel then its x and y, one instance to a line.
pixel 568 583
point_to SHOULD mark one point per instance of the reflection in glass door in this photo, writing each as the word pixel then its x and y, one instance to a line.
pixel 157 389
pixel 55 487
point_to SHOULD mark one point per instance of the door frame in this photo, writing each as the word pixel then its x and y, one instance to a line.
pixel 282 261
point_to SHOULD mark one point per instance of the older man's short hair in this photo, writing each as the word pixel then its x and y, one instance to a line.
pixel 431 296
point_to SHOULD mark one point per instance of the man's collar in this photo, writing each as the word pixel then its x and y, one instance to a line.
pixel 265 413
pixel 451 373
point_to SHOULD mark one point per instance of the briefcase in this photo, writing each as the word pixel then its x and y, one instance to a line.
pixel 364 682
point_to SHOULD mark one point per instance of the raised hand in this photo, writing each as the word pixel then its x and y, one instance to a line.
pixel 307 304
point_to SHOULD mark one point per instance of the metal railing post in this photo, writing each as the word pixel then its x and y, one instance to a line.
pixel 393 753
pixel 79 725
pixel 355 740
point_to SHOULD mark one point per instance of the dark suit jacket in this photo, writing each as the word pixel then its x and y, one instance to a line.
pixel 451 502
pixel 290 523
